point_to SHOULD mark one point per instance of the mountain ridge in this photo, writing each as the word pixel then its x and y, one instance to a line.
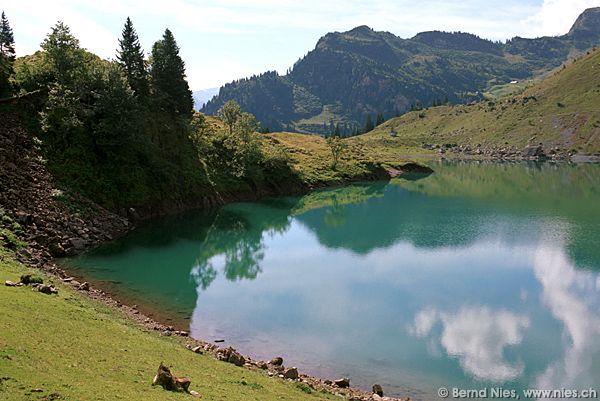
pixel 362 71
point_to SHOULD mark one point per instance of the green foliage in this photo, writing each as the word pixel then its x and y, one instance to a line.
pixel 7 55
pixel 170 89
pixel 9 232
pixel 368 124
pixel 131 58
pixel 63 54
pixel 230 113
pixel 336 146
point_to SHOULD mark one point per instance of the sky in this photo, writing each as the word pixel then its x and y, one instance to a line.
pixel 223 40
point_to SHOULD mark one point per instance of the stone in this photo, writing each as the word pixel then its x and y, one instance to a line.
pixel 166 380
pixel 85 286
pixel 9 283
pixel 342 383
pixel 262 365
pixel 196 394
pixel 534 152
pixel 197 350
pixel 46 289
pixel 231 355
pixel 77 244
pixel 277 361
pixel 377 389
pixel 291 373
pixel 56 250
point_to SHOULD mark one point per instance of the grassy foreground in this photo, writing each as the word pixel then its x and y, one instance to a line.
pixel 74 348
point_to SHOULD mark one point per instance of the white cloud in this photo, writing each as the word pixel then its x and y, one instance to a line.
pixel 556 16
pixel 477 336
pixel 229 39
pixel 575 303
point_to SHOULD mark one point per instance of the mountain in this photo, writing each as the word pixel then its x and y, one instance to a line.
pixel 561 112
pixel 201 97
pixel 351 74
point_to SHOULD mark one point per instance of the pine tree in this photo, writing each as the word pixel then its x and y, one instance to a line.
pixel 369 124
pixel 170 88
pixel 63 53
pixel 380 119
pixel 131 58
pixel 7 55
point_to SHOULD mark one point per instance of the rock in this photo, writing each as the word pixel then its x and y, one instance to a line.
pixel 535 152
pixel 9 283
pixel 231 355
pixel 46 289
pixel 77 244
pixel 262 365
pixel 56 250
pixel 85 286
pixel 291 373
pixel 195 394
pixel 342 383
pixel 169 382
pixel 377 397
pixel 277 361
pixel 197 350
pixel 377 389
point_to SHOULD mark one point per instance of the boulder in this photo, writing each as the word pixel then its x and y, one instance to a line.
pixel 231 355
pixel 342 383
pixel 377 389
pixel 534 152
pixel 291 373
pixel 85 286
pixel 166 380
pixel 277 361
pixel 46 289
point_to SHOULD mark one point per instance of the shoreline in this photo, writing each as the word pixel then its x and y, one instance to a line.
pixel 99 226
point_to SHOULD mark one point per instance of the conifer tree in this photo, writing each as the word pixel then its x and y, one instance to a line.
pixel 380 119
pixel 131 58
pixel 170 88
pixel 63 53
pixel 7 55
pixel 369 124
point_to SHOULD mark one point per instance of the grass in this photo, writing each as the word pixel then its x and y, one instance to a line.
pixel 73 348
pixel 311 157
pixel 562 110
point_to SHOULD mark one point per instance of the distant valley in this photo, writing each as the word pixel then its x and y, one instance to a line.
pixel 202 96
pixel 362 72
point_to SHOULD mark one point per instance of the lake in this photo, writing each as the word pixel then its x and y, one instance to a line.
pixel 480 275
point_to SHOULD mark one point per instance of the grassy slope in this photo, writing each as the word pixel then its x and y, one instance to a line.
pixel 78 348
pixel 562 110
pixel 311 157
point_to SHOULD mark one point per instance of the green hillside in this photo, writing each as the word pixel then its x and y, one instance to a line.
pixel 362 72
pixel 561 111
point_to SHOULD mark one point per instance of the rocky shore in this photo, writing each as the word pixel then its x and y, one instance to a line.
pixel 537 152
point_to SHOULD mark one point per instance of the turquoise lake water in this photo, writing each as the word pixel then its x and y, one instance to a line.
pixel 478 276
